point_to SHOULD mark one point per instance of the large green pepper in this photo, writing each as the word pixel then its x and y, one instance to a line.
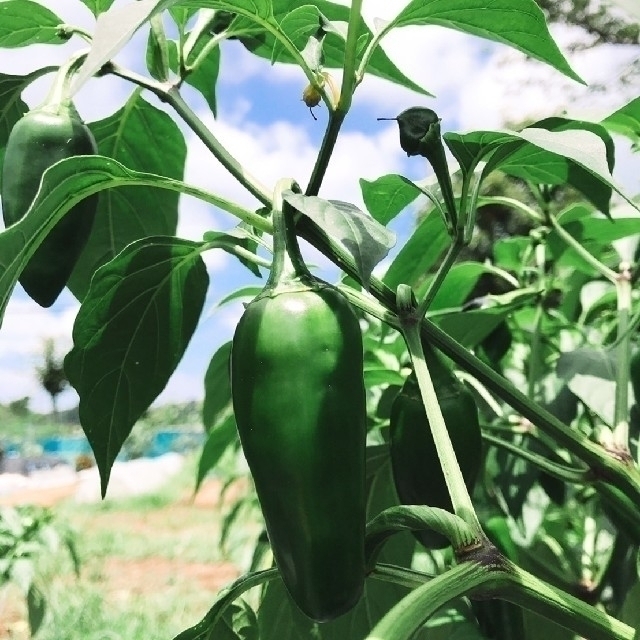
pixel 417 473
pixel 299 403
pixel 38 140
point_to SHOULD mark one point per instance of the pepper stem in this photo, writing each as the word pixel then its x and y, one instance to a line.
pixel 460 498
pixel 59 92
pixel 288 265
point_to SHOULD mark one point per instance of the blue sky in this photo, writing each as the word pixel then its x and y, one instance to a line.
pixel 264 123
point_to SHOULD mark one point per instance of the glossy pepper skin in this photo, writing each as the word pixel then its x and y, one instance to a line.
pixel 417 473
pixel 299 403
pixel 38 140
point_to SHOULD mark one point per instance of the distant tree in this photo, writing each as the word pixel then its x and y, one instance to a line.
pixel 599 20
pixel 20 407
pixel 51 374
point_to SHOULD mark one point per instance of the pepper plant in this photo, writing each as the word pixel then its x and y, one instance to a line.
pixel 533 531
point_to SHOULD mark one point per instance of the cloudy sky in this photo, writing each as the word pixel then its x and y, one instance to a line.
pixel 263 122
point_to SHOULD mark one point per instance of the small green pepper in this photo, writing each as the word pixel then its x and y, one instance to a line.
pixel 299 403
pixel 417 473
pixel 38 140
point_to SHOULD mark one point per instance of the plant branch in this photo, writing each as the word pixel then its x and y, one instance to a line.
pixel 460 498
pixel 623 360
pixel 626 479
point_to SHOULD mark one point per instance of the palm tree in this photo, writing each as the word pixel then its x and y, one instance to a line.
pixel 51 374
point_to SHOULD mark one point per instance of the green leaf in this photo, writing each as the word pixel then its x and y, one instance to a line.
pixel 626 120
pixel 204 630
pixel 471 327
pixel 333 45
pixel 594 234
pixel 537 165
pixel 36 608
pixel 517 23
pixel 419 254
pixel 280 619
pixel 298 25
pixel 130 334
pixel 358 233
pixel 97 6
pixel 181 16
pixel 63 185
pixel 204 76
pixel 458 284
pixel 237 243
pixel 387 196
pixel 591 375
pixel 157 55
pixel 114 28
pixel 23 22
pixel 217 388
pixel 552 157
pixel 250 292
pixel 143 138
pixel 630 613
pixel 221 436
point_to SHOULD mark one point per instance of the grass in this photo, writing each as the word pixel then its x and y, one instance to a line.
pixel 150 567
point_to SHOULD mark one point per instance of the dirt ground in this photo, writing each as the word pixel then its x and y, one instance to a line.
pixel 122 578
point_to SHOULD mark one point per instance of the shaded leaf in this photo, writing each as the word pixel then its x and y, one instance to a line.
pixel 130 334
pixel 220 437
pixel 357 232
pixel 591 375
pixel 143 138
pixel 419 254
pixel 217 387
pixel 470 328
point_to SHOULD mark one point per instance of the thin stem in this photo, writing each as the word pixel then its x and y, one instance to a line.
pixel 69 30
pixel 623 360
pixel 408 615
pixel 59 91
pixel 336 118
pixel 337 115
pixel 460 498
pixel 535 353
pixel 513 204
pixel 602 269
pixel 171 95
pixel 225 598
pixel 562 472
pixel 525 590
pixel 350 51
pixel 434 286
pixel 370 305
pixel 248 181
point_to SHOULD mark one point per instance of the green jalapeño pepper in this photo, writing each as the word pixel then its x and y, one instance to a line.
pixel 417 473
pixel 41 138
pixel 299 403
